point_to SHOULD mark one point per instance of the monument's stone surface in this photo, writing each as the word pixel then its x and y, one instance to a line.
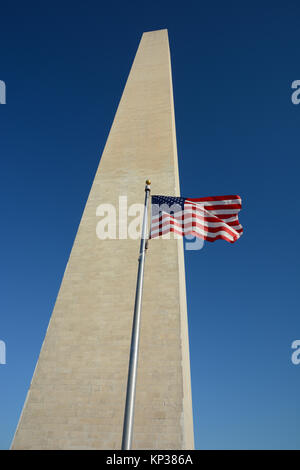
pixel 77 395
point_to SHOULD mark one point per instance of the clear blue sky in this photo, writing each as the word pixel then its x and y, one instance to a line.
pixel 65 65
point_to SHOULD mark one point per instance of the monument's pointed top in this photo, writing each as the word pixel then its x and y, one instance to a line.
pixel 155 31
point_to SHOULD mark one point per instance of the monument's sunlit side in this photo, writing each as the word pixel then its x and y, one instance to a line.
pixel 77 396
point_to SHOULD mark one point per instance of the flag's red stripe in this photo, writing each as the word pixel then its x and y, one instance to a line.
pixel 219 207
pixel 226 216
pixel 212 198
pixel 214 207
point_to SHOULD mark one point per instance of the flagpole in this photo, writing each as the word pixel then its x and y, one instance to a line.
pixel 135 335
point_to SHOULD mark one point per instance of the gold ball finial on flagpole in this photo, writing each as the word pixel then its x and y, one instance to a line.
pixel 148 182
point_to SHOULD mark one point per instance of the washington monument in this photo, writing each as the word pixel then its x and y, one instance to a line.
pixel 77 395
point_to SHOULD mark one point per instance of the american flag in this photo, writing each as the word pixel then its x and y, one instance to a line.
pixel 210 218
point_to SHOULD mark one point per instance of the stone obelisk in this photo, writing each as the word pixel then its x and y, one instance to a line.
pixel 77 395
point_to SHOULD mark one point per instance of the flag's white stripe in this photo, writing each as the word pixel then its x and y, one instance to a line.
pixel 223 211
pixel 215 211
pixel 201 215
pixel 213 235
pixel 214 203
pixel 178 224
pixel 206 213
pixel 204 237
pixel 200 231
pixel 236 227
pixel 196 213
pixel 186 220
pixel 201 210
